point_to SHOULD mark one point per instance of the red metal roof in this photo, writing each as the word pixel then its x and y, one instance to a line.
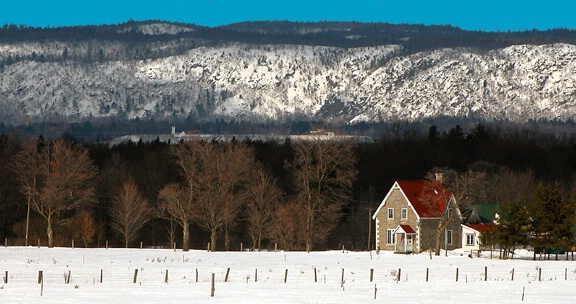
pixel 407 229
pixel 480 227
pixel 429 198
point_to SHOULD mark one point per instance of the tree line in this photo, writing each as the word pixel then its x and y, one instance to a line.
pixel 530 214
pixel 544 220
pixel 136 45
pixel 300 195
pixel 214 185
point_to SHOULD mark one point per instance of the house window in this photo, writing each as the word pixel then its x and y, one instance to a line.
pixel 390 213
pixel 448 236
pixel 469 239
pixel 391 237
pixel 404 214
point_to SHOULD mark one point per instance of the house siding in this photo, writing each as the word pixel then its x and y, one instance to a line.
pixel 468 230
pixel 396 201
pixel 478 245
pixel 456 227
pixel 428 237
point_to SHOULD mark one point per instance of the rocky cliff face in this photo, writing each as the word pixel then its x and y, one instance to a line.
pixel 282 82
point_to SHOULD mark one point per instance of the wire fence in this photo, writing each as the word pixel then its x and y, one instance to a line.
pixel 305 275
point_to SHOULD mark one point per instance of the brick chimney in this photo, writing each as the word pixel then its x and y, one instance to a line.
pixel 439 176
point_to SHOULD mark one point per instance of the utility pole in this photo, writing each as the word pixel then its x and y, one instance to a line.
pixel 369 225
pixel 445 242
pixel 27 220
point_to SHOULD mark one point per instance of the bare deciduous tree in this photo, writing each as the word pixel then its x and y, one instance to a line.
pixel 469 188
pixel 171 229
pixel 215 175
pixel 56 177
pixel 223 171
pixel 446 192
pixel 129 211
pixel 323 174
pixel 289 226
pixel 262 203
pixel 87 227
pixel 442 206
pixel 177 204
pixel 510 186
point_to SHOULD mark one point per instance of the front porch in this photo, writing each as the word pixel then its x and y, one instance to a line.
pixel 405 239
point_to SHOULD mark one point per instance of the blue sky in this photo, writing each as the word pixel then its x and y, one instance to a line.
pixel 488 15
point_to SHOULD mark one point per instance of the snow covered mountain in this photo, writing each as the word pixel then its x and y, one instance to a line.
pixel 280 82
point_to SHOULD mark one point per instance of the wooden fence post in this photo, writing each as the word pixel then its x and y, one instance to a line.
pixel 256 275
pixel 72 244
pixel 426 274
pixel 512 274
pixel 342 279
pixel 6 242
pixel 539 274
pixel 196 275
pixel 375 290
pixel 371 275
pixel 6 277
pixel 315 276
pixel 485 273
pixel 275 247
pixel 523 289
pixel 106 244
pixel 241 247
pixel 101 275
pixel 135 275
pixel 456 274
pixel 212 289
pixel 227 273
pixel 166 278
pixel 68 277
pixel 398 277
pixel 38 243
pixel 285 275
pixel 40 276
pixel 565 274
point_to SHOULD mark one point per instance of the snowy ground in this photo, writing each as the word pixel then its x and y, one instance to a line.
pixel 117 266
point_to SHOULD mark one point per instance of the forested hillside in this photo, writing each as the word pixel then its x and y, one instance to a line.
pixel 281 72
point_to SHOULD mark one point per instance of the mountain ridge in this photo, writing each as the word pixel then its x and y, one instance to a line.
pixel 167 73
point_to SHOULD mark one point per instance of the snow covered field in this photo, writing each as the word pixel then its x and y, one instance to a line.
pixel 505 280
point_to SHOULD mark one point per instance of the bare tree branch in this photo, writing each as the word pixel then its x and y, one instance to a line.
pixel 323 173
pixel 177 204
pixel 263 202
pixel 130 211
pixel 56 177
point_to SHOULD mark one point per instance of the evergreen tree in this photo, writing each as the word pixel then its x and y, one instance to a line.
pixel 551 216
pixel 512 227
